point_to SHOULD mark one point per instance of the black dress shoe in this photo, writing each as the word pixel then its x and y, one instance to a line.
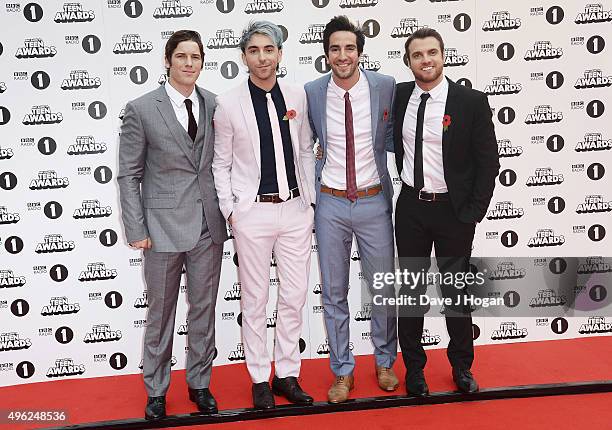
pixel 415 384
pixel 156 408
pixel 465 380
pixel 204 399
pixel 262 396
pixel 290 389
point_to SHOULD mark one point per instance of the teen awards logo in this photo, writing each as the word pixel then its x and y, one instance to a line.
pixel 543 50
pixel 141 302
pixel 48 180
pixel 234 293
pixel 547 298
pixel 365 314
pixel 505 210
pixel 102 333
pixel 7 217
pixel 596 325
pixel 543 114
pixel 506 270
pixel 594 265
pixel 593 142
pixel 429 339
pixel 593 78
pixel 452 58
pixel 505 149
pixel 2 87
pixel 237 354
pixel 9 280
pixel 545 237
pixel 97 272
pixel 509 330
pixel 35 48
pixel 368 64
pixel 406 27
pixel 80 80
pixel 13 342
pixel 501 85
pixel 593 12
pixel 357 3
pixel 501 20
pixel 54 243
pixel 42 115
pixel 224 38
pixel 85 145
pixel 73 12
pixel 271 321
pixel 65 367
pixel 172 9
pixel 132 44
pixel 60 306
pixel 263 6
pixel 314 34
pixel 183 329
pixel 544 176
pixel 92 209
pixel 594 203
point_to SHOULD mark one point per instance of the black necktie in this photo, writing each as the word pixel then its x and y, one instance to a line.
pixel 192 128
pixel 418 144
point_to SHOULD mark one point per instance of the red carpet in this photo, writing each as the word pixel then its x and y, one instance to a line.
pixel 111 398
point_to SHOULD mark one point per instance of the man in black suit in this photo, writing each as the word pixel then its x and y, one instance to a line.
pixel 446 154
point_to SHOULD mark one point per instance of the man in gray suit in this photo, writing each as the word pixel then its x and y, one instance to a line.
pixel 350 111
pixel 170 210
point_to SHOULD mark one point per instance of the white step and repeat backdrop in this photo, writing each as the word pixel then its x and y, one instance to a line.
pixel 72 297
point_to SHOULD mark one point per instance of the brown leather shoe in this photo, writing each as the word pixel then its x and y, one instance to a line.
pixel 387 380
pixel 339 391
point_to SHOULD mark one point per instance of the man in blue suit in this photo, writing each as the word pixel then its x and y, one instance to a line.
pixel 350 114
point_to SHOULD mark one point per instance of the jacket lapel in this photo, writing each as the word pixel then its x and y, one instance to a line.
pixel 374 104
pixel 401 100
pixel 204 123
pixel 323 112
pixel 250 119
pixel 451 109
pixel 166 110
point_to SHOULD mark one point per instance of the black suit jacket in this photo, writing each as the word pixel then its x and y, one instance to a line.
pixel 469 147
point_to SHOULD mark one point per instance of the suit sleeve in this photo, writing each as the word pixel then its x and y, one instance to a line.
pixel 307 157
pixel 222 160
pixel 132 157
pixel 389 144
pixel 486 159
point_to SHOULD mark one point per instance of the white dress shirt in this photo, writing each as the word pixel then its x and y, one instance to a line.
pixel 178 104
pixel 334 171
pixel 433 165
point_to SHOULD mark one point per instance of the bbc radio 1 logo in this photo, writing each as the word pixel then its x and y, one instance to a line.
pixel 86 145
pixel 505 210
pixel 9 280
pixel 509 330
pixel 430 339
pixel 65 367
pixel 263 6
pixel 172 9
pixel 7 217
pixel 73 12
pixel 234 293
pixel 596 264
pixel 593 142
pixel 547 298
pixel 507 270
pixel 543 50
pixel 54 243
pixel 42 114
pixel 80 80
pixel 92 209
pixel 35 48
pixel 365 314
pixel 595 325
pixel 97 272
pixel 60 306
pixel 223 39
pixel 543 114
pixel 593 78
pixel 102 333
pixel 501 85
pixel 406 27
pixel 452 58
pixel 544 176
pixel 132 44
pixel 237 354
pixel 594 203
pixel 142 302
pixel 506 150
pixel 501 20
pixel 593 12
pixel 545 237
pixel 12 341
pixel 48 180
pixel 314 34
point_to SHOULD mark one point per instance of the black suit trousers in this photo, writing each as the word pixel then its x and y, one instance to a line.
pixel 419 225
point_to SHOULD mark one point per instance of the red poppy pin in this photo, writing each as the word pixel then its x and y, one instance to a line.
pixel 385 115
pixel 291 114
pixel 446 122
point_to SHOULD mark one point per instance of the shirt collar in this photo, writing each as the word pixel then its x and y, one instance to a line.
pixel 436 92
pixel 356 89
pixel 177 98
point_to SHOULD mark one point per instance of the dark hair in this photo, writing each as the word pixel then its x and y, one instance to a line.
pixel 422 33
pixel 178 37
pixel 342 23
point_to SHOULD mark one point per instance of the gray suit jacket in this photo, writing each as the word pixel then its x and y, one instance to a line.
pixel 382 92
pixel 162 187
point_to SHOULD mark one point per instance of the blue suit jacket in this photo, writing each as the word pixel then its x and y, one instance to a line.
pixel 382 92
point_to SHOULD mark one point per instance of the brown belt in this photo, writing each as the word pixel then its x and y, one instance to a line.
pixel 274 198
pixel 366 192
